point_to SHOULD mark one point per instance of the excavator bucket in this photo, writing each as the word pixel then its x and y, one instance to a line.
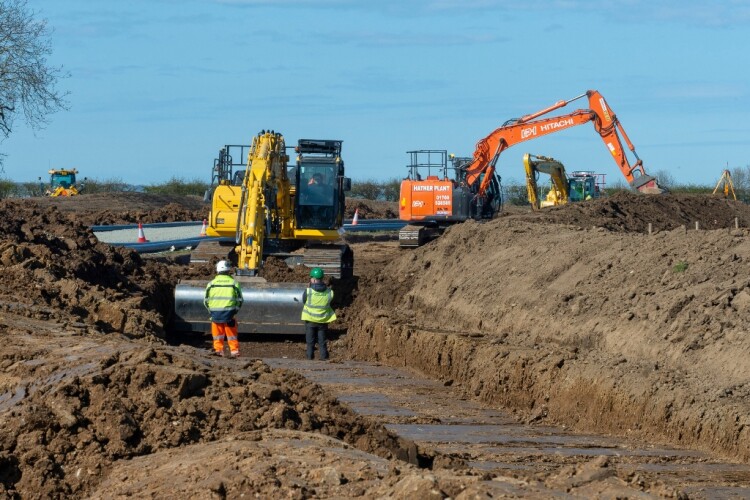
pixel 268 307
pixel 647 184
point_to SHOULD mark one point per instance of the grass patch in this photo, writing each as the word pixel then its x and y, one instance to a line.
pixel 680 267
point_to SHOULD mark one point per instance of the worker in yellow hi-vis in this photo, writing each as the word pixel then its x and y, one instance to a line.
pixel 317 313
pixel 223 300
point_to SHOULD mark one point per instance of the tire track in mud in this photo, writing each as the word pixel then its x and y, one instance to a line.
pixel 495 443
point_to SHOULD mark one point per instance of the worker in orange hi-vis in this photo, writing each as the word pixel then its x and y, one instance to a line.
pixel 223 300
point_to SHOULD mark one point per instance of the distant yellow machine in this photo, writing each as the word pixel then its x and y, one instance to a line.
pixel 728 185
pixel 573 187
pixel 62 182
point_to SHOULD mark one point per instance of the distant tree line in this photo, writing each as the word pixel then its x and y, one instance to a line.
pixel 369 189
pixel 174 186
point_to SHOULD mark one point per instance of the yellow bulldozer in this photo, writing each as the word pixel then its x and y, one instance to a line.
pixel 291 212
pixel 62 182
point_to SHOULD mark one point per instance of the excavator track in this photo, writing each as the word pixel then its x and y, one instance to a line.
pixel 335 260
pixel 413 236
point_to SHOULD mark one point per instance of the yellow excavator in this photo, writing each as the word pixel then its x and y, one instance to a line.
pixel 290 212
pixel 576 186
pixel 62 182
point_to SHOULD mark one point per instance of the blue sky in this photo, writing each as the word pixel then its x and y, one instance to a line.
pixel 158 86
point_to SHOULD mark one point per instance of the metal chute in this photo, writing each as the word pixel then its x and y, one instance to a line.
pixel 268 307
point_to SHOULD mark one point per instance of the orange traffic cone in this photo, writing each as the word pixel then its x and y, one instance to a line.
pixel 141 236
pixel 356 217
pixel 203 229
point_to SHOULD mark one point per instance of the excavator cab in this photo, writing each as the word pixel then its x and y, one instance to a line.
pixel 583 185
pixel 320 184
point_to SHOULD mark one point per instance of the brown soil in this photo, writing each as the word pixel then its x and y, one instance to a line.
pixel 576 316
pixel 573 315
pixel 128 208
pixel 369 209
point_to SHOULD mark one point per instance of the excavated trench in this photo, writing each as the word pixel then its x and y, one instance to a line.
pixel 534 331
pixel 490 439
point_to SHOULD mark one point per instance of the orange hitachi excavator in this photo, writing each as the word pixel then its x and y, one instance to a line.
pixel 478 177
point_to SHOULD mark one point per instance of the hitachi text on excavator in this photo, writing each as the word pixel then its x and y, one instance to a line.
pixel 425 217
pixel 289 212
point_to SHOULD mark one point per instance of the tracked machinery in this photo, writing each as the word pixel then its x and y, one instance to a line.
pixel 292 212
pixel 435 195
pixel 577 186
pixel 417 206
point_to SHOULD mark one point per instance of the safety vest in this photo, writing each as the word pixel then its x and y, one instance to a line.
pixel 317 308
pixel 223 294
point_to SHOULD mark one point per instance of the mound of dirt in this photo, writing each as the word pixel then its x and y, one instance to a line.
pixel 632 212
pixel 127 208
pixel 54 268
pixel 371 209
pixel 613 330
pixel 89 401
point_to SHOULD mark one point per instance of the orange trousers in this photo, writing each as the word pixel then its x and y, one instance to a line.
pixel 221 331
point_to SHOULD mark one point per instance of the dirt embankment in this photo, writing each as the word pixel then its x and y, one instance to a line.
pixel 610 330
pixel 370 209
pixel 54 268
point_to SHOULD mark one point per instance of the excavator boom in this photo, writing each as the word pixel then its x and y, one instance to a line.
pixel 533 126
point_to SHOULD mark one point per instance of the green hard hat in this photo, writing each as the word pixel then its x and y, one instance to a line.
pixel 317 273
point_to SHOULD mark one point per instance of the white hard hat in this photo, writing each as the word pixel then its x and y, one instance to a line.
pixel 223 266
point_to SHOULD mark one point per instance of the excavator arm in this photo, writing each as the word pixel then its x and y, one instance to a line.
pixel 531 186
pixel 266 182
pixel 531 126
